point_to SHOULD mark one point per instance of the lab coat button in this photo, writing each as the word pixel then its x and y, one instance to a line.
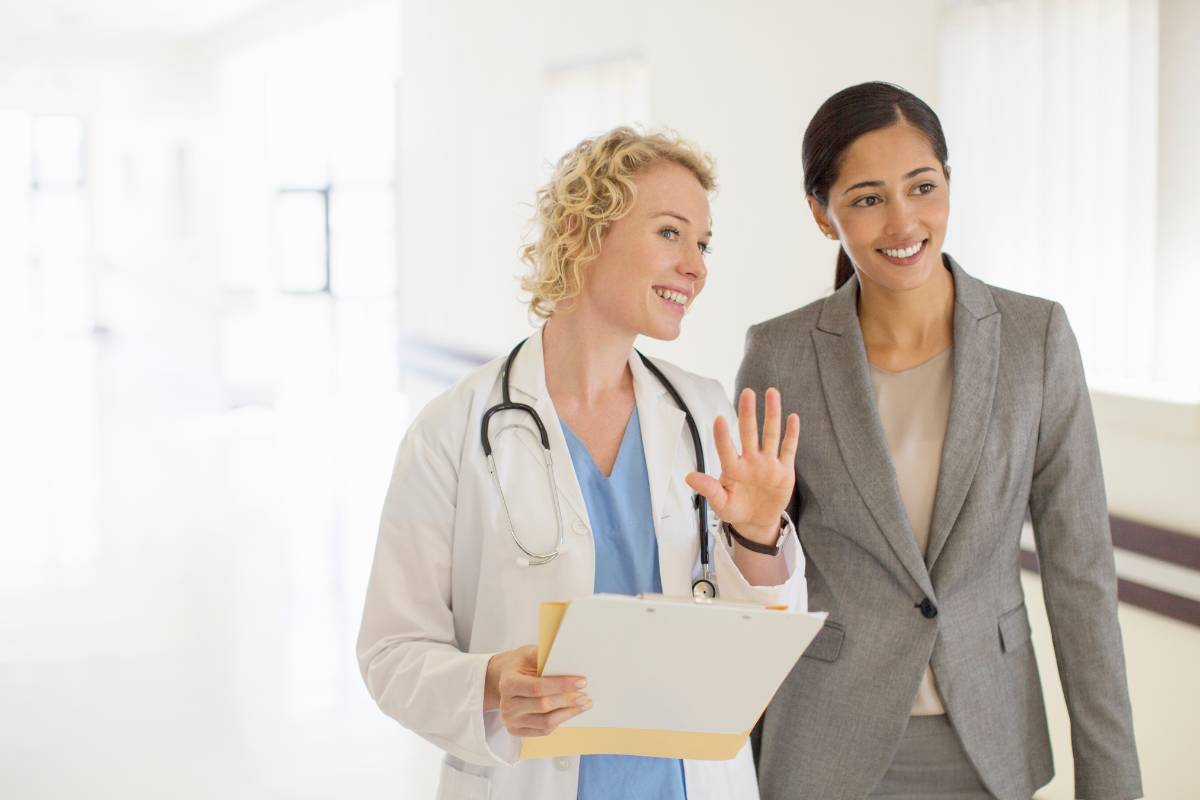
pixel 562 764
pixel 580 527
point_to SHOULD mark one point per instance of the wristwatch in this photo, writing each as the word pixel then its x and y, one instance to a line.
pixel 731 536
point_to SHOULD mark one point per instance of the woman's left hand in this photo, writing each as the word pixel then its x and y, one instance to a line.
pixel 755 486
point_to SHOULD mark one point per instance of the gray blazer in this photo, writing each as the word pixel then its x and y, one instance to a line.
pixel 1020 438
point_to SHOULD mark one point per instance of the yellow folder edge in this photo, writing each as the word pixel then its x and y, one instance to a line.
pixel 622 741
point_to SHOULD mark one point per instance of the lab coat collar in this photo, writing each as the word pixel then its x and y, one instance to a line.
pixel 660 418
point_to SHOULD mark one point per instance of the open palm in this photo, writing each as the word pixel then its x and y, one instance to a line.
pixel 755 485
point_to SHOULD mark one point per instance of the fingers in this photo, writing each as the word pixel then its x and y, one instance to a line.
pixel 710 487
pixel 748 422
pixel 725 449
pixel 533 705
pixel 545 724
pixel 520 684
pixel 517 708
pixel 771 414
pixel 538 716
pixel 791 440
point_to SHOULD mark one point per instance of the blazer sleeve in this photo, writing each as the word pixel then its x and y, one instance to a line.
pixel 407 649
pixel 1070 522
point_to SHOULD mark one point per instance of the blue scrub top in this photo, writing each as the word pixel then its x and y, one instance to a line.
pixel 618 506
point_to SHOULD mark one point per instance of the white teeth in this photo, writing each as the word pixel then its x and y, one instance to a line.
pixel 674 297
pixel 907 252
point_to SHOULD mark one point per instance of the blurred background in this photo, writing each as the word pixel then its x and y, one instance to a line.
pixel 241 242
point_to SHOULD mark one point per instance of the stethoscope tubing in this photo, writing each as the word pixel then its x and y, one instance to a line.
pixel 506 404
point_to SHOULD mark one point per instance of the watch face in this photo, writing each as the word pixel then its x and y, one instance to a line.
pixel 704 589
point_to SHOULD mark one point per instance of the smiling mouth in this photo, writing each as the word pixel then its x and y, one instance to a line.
pixel 905 255
pixel 673 297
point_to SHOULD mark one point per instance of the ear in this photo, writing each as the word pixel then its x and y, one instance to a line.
pixel 946 170
pixel 821 217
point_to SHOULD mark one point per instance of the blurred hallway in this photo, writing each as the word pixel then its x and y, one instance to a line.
pixel 189 518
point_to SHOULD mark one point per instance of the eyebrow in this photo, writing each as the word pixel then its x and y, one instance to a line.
pixel 677 216
pixel 866 184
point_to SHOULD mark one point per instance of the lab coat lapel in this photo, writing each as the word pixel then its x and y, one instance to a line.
pixel 528 385
pixel 662 423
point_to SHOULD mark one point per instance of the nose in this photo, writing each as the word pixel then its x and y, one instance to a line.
pixel 693 266
pixel 901 218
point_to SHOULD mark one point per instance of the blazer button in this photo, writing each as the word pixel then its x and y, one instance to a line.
pixel 562 764
pixel 928 609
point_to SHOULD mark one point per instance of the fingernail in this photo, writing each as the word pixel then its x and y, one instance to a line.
pixel 585 703
pixel 581 684
pixel 583 700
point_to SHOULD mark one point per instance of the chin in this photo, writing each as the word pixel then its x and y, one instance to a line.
pixel 901 279
pixel 662 332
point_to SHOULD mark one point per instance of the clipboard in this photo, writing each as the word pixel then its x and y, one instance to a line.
pixel 668 677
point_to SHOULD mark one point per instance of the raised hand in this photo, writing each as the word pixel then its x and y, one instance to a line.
pixel 755 486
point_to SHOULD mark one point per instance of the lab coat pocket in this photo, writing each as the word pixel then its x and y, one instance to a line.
pixel 459 784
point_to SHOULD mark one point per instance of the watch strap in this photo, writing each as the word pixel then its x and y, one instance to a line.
pixel 732 535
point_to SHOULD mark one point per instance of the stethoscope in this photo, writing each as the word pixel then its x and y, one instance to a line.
pixel 704 587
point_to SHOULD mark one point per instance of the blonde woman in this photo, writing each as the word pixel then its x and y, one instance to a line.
pixel 478 531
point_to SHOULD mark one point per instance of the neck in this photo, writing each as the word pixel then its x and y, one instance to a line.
pixel 912 319
pixel 586 359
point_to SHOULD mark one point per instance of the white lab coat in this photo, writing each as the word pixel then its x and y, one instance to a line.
pixel 447 592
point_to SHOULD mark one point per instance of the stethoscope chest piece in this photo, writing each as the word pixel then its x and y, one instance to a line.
pixel 704 589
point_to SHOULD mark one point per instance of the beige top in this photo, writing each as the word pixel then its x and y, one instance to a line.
pixel 913 407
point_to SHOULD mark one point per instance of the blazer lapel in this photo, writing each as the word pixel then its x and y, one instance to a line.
pixel 976 364
pixel 842 365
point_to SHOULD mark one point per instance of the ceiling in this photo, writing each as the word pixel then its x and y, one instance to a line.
pixel 95 20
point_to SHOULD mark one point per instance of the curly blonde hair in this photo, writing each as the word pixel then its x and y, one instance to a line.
pixel 592 187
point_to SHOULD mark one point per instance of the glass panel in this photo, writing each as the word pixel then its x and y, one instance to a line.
pixel 587 99
pixel 58 152
pixel 363 253
pixel 300 232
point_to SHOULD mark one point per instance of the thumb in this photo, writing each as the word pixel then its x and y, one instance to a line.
pixel 710 487
pixel 527 658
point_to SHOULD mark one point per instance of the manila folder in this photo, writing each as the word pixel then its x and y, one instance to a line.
pixel 668 677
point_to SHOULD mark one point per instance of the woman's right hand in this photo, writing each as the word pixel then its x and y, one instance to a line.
pixel 529 705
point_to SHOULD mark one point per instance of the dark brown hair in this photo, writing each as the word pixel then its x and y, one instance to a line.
pixel 848 115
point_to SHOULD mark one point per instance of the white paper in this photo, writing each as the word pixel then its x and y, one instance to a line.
pixel 674 664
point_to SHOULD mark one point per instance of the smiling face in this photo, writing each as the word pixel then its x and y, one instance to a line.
pixel 889 207
pixel 651 263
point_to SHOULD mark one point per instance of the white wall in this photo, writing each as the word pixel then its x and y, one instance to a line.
pixel 742 81
pixel 1178 201
pixel 1151 447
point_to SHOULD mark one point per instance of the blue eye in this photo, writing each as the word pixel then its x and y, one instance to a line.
pixel 671 234
pixel 704 248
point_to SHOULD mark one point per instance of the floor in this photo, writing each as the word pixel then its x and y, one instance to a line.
pixel 190 498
